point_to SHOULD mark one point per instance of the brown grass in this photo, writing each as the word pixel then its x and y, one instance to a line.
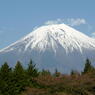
pixel 63 85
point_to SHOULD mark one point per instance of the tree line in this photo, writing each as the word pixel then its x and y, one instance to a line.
pixel 13 81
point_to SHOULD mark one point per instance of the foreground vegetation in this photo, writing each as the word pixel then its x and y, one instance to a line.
pixel 20 81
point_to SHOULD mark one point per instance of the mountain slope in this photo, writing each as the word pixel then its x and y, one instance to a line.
pixel 50 47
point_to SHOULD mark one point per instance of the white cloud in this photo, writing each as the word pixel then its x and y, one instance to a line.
pixel 68 21
pixel 58 21
pixel 75 22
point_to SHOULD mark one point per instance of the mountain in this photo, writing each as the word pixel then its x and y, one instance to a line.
pixel 52 47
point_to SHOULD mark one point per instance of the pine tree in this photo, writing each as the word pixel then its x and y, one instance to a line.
pixel 31 70
pixel 5 71
pixel 19 78
pixel 5 79
pixel 45 72
pixel 18 70
pixel 72 72
pixel 57 74
pixel 88 67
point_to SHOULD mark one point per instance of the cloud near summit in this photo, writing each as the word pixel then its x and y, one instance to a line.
pixel 68 21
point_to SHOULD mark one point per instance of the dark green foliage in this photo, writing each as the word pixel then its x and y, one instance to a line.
pixel 15 81
pixel 74 73
pixel 45 72
pixel 31 70
pixel 57 74
pixel 31 73
pixel 5 79
pixel 19 78
pixel 88 67
pixel 5 71
pixel 18 70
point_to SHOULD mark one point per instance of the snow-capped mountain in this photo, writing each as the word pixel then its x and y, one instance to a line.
pixel 52 47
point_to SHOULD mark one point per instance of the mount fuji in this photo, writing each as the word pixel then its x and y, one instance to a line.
pixel 52 47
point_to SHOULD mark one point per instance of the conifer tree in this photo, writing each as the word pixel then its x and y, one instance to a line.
pixel 19 78
pixel 72 72
pixel 57 74
pixel 88 67
pixel 31 70
pixel 45 72
pixel 5 79
pixel 5 71
pixel 18 70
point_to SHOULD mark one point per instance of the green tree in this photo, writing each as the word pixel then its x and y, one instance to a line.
pixel 57 74
pixel 18 70
pixel 5 79
pixel 19 78
pixel 88 67
pixel 5 71
pixel 45 72
pixel 31 70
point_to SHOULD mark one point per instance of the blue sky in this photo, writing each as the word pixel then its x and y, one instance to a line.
pixel 19 17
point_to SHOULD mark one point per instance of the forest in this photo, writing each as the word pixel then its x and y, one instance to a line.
pixel 31 81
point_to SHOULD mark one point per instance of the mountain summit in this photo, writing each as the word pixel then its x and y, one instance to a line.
pixel 52 47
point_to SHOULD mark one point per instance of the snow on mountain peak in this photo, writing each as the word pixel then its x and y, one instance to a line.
pixel 53 35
